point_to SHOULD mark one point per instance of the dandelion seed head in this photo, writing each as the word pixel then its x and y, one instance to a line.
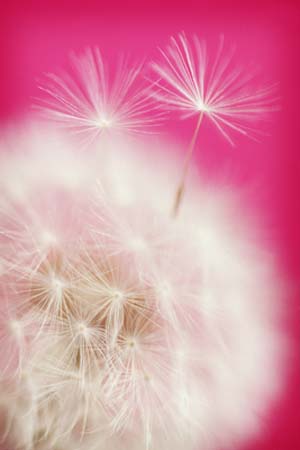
pixel 120 327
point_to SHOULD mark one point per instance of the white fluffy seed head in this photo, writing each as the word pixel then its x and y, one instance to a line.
pixel 127 329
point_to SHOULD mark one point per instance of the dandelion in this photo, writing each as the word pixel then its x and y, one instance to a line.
pixel 91 102
pixel 121 329
pixel 195 85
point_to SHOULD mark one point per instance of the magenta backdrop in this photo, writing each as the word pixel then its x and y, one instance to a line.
pixel 36 36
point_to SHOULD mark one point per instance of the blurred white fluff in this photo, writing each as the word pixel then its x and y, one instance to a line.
pixel 122 328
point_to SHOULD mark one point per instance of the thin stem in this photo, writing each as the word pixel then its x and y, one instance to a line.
pixel 186 165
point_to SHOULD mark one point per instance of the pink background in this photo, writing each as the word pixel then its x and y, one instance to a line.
pixel 36 36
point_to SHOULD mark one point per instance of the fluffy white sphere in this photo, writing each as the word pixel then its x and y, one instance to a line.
pixel 122 327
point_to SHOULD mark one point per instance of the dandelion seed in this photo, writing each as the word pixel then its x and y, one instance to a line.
pixel 91 103
pixel 191 83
